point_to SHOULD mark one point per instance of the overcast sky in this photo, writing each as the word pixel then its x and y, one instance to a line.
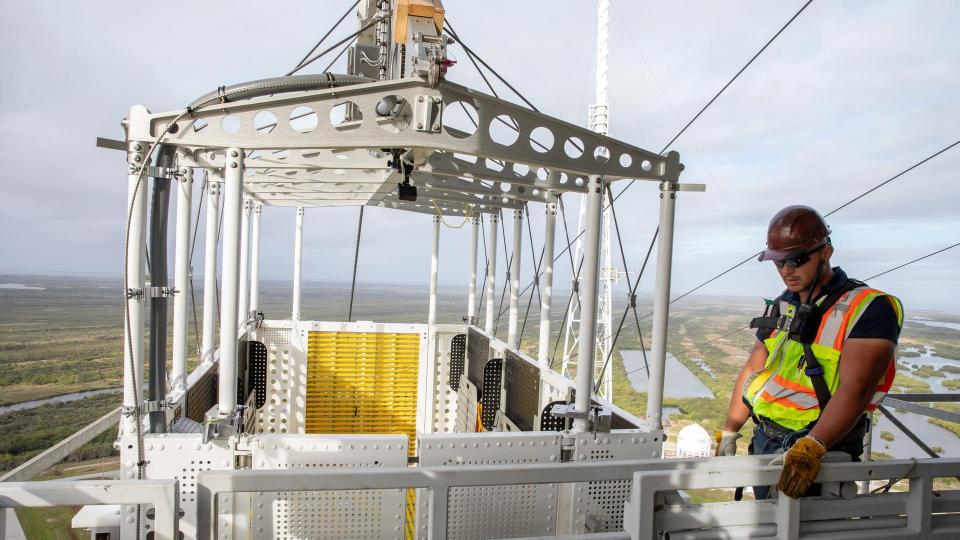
pixel 852 93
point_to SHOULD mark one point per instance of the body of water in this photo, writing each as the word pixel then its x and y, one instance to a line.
pixel 55 399
pixel 901 447
pixel 678 381
pixel 928 358
pixel 939 324
pixel 21 287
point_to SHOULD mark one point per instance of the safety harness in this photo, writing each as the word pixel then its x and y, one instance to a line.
pixel 802 328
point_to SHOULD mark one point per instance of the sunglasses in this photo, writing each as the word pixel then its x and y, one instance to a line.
pixel 799 258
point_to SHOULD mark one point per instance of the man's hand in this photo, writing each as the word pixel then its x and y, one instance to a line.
pixel 726 442
pixel 801 463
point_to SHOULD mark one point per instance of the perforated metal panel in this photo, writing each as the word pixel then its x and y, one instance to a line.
pixel 362 382
pixel 478 352
pixel 202 395
pixel 458 353
pixel 494 511
pixel 598 506
pixel 444 397
pixel 521 385
pixel 285 379
pixel 347 515
pixel 179 456
pixel 466 407
pixel 491 394
pixel 257 372
pixel 549 422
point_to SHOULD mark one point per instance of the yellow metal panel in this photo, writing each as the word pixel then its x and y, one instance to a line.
pixel 362 382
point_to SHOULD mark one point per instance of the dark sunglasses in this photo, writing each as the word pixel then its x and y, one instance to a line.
pixel 799 258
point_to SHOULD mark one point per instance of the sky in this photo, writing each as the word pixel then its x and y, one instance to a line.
pixel 849 95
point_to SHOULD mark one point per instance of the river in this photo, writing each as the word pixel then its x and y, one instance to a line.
pixel 55 399
pixel 678 381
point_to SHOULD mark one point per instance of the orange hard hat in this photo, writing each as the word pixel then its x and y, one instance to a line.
pixel 792 229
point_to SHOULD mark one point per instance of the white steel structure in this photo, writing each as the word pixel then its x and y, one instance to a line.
pixel 297 428
pixel 599 121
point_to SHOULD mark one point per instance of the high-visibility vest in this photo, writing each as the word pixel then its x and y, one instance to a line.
pixel 782 391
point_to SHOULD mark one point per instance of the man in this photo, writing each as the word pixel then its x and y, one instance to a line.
pixel 825 356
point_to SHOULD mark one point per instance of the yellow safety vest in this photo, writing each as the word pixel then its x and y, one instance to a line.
pixel 782 391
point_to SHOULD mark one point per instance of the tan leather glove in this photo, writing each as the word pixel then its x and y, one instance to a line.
pixel 801 463
pixel 726 442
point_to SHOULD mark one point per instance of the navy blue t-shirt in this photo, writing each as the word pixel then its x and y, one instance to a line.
pixel 879 320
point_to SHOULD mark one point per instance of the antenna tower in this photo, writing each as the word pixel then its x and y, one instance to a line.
pixel 599 122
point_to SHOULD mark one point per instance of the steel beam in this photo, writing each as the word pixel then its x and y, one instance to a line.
pixel 243 292
pixel 297 263
pixel 513 340
pixel 661 305
pixel 586 351
pixel 229 302
pixel 434 271
pixel 491 275
pixel 472 286
pixel 210 271
pixel 182 279
pixel 546 284
pixel 255 258
pixel 135 281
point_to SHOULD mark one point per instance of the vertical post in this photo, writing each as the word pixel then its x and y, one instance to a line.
pixel 513 340
pixel 586 352
pixel 135 277
pixel 232 208
pixel 472 287
pixel 491 274
pixel 181 280
pixel 297 260
pixel 546 282
pixel 434 271
pixel 210 271
pixel 661 304
pixel 243 313
pixel 255 258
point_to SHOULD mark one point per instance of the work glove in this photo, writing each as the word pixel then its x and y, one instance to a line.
pixel 726 442
pixel 801 463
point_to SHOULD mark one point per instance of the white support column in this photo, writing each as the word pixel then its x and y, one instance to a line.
pixel 472 287
pixel 135 277
pixel 586 353
pixel 491 274
pixel 513 340
pixel 297 260
pixel 208 344
pixel 546 282
pixel 255 258
pixel 181 280
pixel 243 311
pixel 661 305
pixel 434 271
pixel 232 209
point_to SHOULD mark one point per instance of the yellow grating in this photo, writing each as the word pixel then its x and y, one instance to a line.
pixel 362 382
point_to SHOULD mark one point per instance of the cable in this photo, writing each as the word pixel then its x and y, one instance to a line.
pixel 697 346
pixel 913 261
pixel 891 179
pixel 313 59
pixel 325 36
pixel 356 258
pixel 470 52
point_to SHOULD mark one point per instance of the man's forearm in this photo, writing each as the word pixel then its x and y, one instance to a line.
pixel 737 413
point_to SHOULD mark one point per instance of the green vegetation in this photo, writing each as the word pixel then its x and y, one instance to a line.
pixel 925 372
pixel 51 523
pixel 952 384
pixel 880 456
pixel 950 426
pixel 907 384
pixel 937 449
pixel 949 369
pixel 886 435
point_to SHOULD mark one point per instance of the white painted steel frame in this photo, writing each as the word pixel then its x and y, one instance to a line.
pixel 232 209
pixel 162 494
pixel 208 343
pixel 586 352
pixel 297 263
pixel 255 258
pixel 661 304
pixel 434 271
pixel 514 275
pixel 491 275
pixel 243 291
pixel 647 524
pixel 136 282
pixel 472 286
pixel 210 484
pixel 181 281
pixel 546 283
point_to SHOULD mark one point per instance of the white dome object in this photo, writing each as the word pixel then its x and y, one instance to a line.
pixel 693 441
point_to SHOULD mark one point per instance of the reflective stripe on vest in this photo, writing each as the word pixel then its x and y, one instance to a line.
pixel 782 392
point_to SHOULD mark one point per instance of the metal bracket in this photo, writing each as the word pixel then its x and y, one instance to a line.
pixel 216 426
pixel 134 293
pixel 427 113
pixel 154 406
pixel 170 173
pixel 600 417
pixel 161 292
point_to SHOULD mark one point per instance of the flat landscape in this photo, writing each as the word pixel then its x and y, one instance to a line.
pixel 61 335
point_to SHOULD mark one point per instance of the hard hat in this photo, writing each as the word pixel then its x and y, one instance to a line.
pixel 791 229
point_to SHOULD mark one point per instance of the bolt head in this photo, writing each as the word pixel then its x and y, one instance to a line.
pixel 233 164
pixel 234 153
